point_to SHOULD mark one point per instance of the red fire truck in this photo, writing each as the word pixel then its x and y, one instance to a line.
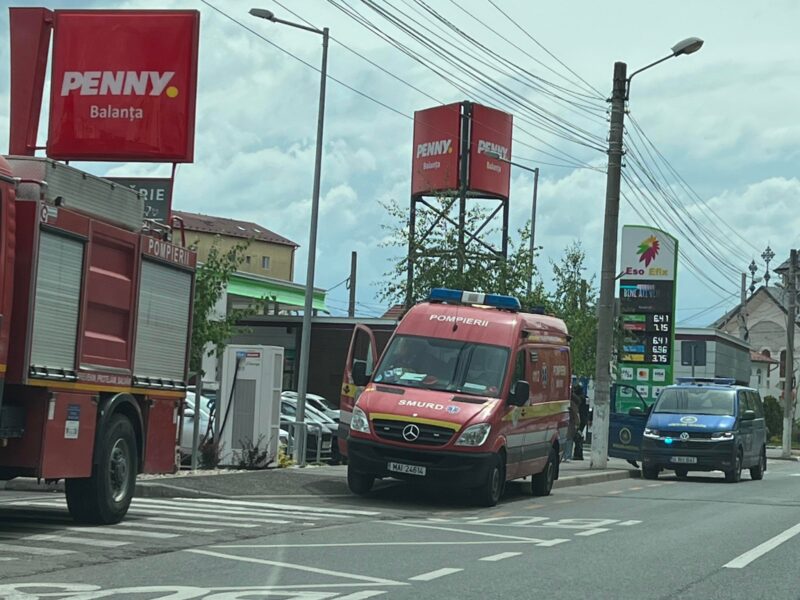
pixel 95 320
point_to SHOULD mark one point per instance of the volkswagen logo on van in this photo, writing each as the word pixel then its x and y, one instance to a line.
pixel 410 432
pixel 685 436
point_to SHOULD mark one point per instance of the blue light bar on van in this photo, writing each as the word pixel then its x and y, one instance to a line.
pixel 463 297
pixel 713 380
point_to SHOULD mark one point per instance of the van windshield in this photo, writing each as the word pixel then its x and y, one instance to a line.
pixel 696 401
pixel 440 364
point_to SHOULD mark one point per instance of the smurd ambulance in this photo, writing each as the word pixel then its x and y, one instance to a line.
pixel 470 392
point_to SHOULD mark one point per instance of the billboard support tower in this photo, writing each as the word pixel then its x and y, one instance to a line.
pixel 455 158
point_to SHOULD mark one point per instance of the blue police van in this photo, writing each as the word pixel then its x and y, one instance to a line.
pixel 704 425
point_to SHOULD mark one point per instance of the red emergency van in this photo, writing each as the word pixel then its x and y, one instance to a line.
pixel 470 392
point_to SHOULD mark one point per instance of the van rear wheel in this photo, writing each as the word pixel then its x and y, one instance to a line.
pixel 650 472
pixel 542 483
pixel 490 492
pixel 757 472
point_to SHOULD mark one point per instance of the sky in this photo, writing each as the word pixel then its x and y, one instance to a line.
pixel 712 139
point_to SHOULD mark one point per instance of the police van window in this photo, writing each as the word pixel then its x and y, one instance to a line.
pixel 745 403
pixel 755 401
pixel 697 401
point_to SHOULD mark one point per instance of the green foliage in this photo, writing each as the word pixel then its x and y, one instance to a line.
pixel 574 298
pixel 773 416
pixel 211 279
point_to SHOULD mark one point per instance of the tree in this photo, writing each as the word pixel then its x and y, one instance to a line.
pixel 437 258
pixel 575 301
pixel 208 329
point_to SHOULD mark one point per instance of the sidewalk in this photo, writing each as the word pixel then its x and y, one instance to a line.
pixel 774 453
pixel 294 481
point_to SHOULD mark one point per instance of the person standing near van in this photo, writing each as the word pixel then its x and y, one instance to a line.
pixel 572 427
pixel 579 398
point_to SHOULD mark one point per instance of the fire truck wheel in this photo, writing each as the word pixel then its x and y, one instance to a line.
pixel 359 483
pixel 542 483
pixel 104 497
pixel 490 492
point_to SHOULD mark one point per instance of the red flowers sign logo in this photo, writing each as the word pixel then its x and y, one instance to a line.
pixel 648 250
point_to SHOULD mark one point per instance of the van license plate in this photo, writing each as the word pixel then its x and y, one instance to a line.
pixel 684 460
pixel 407 469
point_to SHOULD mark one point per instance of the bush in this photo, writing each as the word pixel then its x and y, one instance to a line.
pixel 210 454
pixel 773 415
pixel 252 456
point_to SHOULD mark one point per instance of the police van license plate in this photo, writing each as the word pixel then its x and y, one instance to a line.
pixel 684 460
pixel 407 469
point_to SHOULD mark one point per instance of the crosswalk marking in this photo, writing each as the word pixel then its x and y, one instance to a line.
pixel 34 550
pixel 42 527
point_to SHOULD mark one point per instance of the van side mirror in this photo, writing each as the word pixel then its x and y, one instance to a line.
pixel 521 393
pixel 636 412
pixel 748 415
pixel 360 377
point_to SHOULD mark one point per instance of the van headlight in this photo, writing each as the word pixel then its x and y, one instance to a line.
pixel 359 421
pixel 474 435
pixel 722 435
pixel 653 434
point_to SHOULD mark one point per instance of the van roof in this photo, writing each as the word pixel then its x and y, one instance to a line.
pixel 487 325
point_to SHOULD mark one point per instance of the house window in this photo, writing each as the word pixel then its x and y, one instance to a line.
pixel 758 376
pixel 247 260
pixel 265 263
pixel 783 364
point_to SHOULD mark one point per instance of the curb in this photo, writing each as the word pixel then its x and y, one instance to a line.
pixel 589 478
pixel 163 490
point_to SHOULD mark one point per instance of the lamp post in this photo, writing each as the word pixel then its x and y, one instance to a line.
pixel 305 338
pixel 535 171
pixel 605 309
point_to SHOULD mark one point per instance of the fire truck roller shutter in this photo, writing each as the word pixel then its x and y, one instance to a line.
pixel 163 322
pixel 57 301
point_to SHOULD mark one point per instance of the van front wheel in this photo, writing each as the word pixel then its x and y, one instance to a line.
pixel 491 490
pixel 359 483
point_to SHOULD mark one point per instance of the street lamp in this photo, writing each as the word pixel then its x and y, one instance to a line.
pixel 305 338
pixel 535 171
pixel 605 309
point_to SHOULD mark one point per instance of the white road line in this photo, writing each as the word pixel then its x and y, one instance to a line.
pixel 745 559
pixel 193 522
pixel 494 535
pixel 435 574
pixel 288 507
pixel 7 558
pixel 34 550
pixel 66 539
pixel 217 519
pixel 358 544
pixel 183 528
pixel 501 556
pixel 361 595
pixel 213 511
pixel 589 532
pixel 626 523
pixel 117 532
pixel 615 492
pixel 307 569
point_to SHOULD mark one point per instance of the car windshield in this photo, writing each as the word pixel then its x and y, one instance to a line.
pixel 447 365
pixel 696 401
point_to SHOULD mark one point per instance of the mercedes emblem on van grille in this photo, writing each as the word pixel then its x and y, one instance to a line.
pixel 685 436
pixel 410 432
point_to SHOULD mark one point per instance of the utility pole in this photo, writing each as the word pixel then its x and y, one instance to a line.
pixel 533 228
pixel 788 368
pixel 351 308
pixel 742 316
pixel 605 309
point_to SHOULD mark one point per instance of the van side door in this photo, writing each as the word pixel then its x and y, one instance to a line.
pixel 759 426
pixel 746 427
pixel 629 413
pixel 362 349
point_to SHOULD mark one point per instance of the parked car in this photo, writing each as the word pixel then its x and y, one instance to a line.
pixel 317 426
pixel 318 402
pixel 317 416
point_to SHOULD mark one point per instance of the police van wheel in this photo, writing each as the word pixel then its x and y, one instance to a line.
pixel 735 474
pixel 542 483
pixel 490 492
pixel 650 472
pixel 757 472
pixel 359 483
